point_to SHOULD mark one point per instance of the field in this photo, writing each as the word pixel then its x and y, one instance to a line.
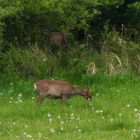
pixel 113 113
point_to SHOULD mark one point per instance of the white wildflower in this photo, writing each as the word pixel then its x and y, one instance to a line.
pixel 97 94
pixel 128 105
pixel 92 108
pixel 72 117
pixel 111 119
pixel 10 102
pixel 70 106
pixel 97 111
pixel 14 123
pixel 39 134
pixel 19 95
pixel 62 123
pixel 50 120
pixel 44 59
pixel 88 120
pixel 78 119
pixel 66 114
pixel 29 136
pixel 79 130
pixel 52 130
pixel 11 83
pixel 72 114
pixel 26 126
pixel 135 109
pixel 102 117
pixel 20 101
pixel 101 111
pixel 62 128
pixel 76 126
pixel 59 117
pixel 49 115
pixel 16 102
pixel 120 114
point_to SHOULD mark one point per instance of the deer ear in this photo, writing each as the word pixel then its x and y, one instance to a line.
pixel 86 90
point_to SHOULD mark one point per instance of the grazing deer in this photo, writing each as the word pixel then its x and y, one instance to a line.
pixel 57 89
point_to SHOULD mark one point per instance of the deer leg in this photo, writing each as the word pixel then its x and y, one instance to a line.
pixel 40 99
pixel 63 99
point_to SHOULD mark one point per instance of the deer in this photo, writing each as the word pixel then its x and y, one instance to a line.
pixel 57 89
pixel 57 38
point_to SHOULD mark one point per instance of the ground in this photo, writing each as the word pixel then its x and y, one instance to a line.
pixel 113 114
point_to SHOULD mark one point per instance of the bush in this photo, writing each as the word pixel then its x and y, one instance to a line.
pixel 1 36
pixel 28 22
pixel 24 63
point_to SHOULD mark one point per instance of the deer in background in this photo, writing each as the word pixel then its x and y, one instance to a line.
pixel 57 38
pixel 57 89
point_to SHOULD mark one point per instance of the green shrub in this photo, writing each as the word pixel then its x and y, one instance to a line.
pixel 1 36
pixel 133 51
pixel 24 63
pixel 28 22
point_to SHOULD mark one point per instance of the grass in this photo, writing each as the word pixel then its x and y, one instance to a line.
pixel 113 114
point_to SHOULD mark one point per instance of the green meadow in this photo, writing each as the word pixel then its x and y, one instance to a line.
pixel 92 44
pixel 113 113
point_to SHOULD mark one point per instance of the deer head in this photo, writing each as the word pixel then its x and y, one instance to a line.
pixel 87 94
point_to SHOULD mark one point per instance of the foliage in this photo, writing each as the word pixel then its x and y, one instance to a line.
pixel 90 27
pixel 24 63
pixel 1 36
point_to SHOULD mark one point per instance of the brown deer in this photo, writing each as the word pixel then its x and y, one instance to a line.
pixel 57 38
pixel 57 89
